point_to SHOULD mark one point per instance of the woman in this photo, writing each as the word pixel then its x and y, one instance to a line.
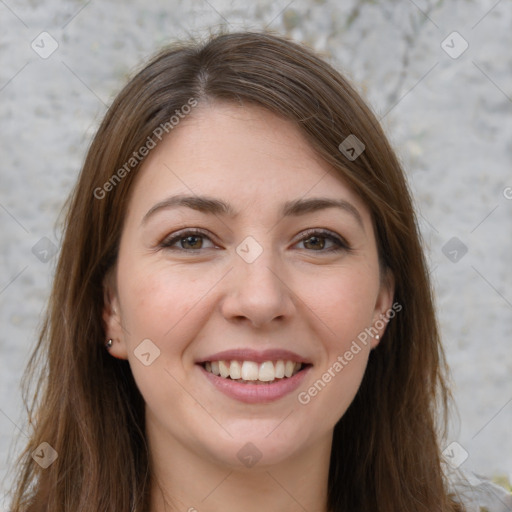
pixel 241 315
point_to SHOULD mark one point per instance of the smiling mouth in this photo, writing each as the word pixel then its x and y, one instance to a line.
pixel 251 372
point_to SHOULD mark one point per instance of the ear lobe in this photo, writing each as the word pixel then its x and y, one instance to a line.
pixel 111 315
pixel 110 309
pixel 383 305
pixel 389 282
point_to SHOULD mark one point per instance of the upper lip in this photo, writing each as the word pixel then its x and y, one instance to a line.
pixel 258 356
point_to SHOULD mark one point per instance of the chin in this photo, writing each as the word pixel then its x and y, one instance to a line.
pixel 255 447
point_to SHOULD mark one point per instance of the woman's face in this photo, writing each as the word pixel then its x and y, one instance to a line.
pixel 230 261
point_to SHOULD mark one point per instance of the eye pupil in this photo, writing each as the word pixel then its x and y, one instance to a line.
pixel 316 240
pixel 190 240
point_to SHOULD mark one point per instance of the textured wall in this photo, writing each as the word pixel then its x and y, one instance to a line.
pixel 446 108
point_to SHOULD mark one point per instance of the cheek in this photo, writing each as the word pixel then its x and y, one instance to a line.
pixel 161 304
pixel 343 303
pixel 344 307
pixel 329 396
pixel 158 298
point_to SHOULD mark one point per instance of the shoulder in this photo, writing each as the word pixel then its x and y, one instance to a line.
pixel 478 493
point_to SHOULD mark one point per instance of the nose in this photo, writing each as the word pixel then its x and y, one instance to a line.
pixel 259 292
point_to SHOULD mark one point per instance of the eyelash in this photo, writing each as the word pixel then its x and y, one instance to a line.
pixel 340 243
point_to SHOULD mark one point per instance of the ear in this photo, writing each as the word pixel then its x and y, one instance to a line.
pixel 112 319
pixel 383 306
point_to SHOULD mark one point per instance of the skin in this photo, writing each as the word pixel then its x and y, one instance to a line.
pixel 296 295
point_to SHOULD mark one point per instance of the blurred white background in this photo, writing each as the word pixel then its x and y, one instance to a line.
pixel 444 99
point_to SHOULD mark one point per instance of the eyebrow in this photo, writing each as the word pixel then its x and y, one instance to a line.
pixel 214 206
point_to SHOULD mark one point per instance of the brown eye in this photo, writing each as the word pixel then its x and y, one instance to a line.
pixel 190 240
pixel 315 242
pixel 318 240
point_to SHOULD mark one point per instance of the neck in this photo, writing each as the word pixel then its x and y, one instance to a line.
pixel 183 480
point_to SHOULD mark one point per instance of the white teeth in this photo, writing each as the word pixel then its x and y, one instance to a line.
pixel 267 371
pixel 288 368
pixel 250 370
pixel 235 370
pixel 215 368
pixel 224 369
pixel 280 369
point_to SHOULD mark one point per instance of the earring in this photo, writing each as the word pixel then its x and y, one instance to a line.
pixel 377 337
pixel 109 343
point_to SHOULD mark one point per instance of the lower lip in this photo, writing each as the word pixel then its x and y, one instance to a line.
pixel 256 393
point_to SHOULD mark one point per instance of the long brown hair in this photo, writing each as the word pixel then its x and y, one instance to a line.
pixel 385 455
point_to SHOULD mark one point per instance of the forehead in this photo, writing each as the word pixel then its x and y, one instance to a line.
pixel 245 155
